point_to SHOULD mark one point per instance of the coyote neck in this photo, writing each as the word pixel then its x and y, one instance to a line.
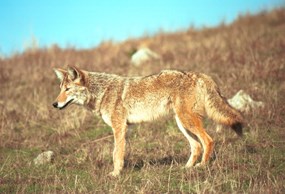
pixel 99 84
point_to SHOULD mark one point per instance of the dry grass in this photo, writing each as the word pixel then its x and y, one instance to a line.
pixel 248 54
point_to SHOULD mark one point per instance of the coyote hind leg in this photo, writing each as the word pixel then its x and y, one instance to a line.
pixel 193 123
pixel 194 144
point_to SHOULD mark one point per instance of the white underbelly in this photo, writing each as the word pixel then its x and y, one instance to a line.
pixel 143 112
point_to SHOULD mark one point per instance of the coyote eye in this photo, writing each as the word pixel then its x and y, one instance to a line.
pixel 67 89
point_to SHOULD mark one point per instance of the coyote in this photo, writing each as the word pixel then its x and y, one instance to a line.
pixel 125 100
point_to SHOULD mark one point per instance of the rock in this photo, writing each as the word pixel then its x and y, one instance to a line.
pixel 44 158
pixel 143 55
pixel 244 103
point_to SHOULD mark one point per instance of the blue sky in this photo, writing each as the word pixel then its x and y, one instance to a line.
pixel 86 23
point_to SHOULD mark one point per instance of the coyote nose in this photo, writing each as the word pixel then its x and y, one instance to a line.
pixel 55 104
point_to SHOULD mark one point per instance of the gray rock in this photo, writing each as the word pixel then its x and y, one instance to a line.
pixel 44 158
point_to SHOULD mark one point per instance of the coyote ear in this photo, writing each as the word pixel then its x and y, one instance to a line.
pixel 60 73
pixel 74 73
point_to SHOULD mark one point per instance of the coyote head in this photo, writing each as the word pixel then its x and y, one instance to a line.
pixel 72 87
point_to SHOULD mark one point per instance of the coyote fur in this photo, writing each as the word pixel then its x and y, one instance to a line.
pixel 125 100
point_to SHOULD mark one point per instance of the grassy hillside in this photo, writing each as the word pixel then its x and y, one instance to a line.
pixel 248 54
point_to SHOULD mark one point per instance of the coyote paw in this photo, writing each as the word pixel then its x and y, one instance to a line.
pixel 187 166
pixel 114 173
pixel 200 165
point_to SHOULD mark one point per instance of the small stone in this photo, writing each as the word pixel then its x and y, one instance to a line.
pixel 143 55
pixel 44 158
pixel 244 103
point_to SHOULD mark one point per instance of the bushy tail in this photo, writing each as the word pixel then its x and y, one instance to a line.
pixel 218 109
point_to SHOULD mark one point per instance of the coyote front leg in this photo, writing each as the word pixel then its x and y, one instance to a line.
pixel 119 149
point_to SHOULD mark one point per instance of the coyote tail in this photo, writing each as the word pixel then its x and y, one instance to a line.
pixel 218 109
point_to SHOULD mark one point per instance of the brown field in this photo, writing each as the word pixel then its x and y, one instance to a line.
pixel 248 54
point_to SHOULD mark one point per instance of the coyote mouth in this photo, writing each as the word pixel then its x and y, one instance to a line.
pixel 60 108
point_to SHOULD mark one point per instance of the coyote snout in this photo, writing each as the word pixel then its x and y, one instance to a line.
pixel 62 105
pixel 63 100
pixel 125 100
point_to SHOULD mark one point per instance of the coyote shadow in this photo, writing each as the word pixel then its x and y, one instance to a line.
pixel 164 161
pixel 167 160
